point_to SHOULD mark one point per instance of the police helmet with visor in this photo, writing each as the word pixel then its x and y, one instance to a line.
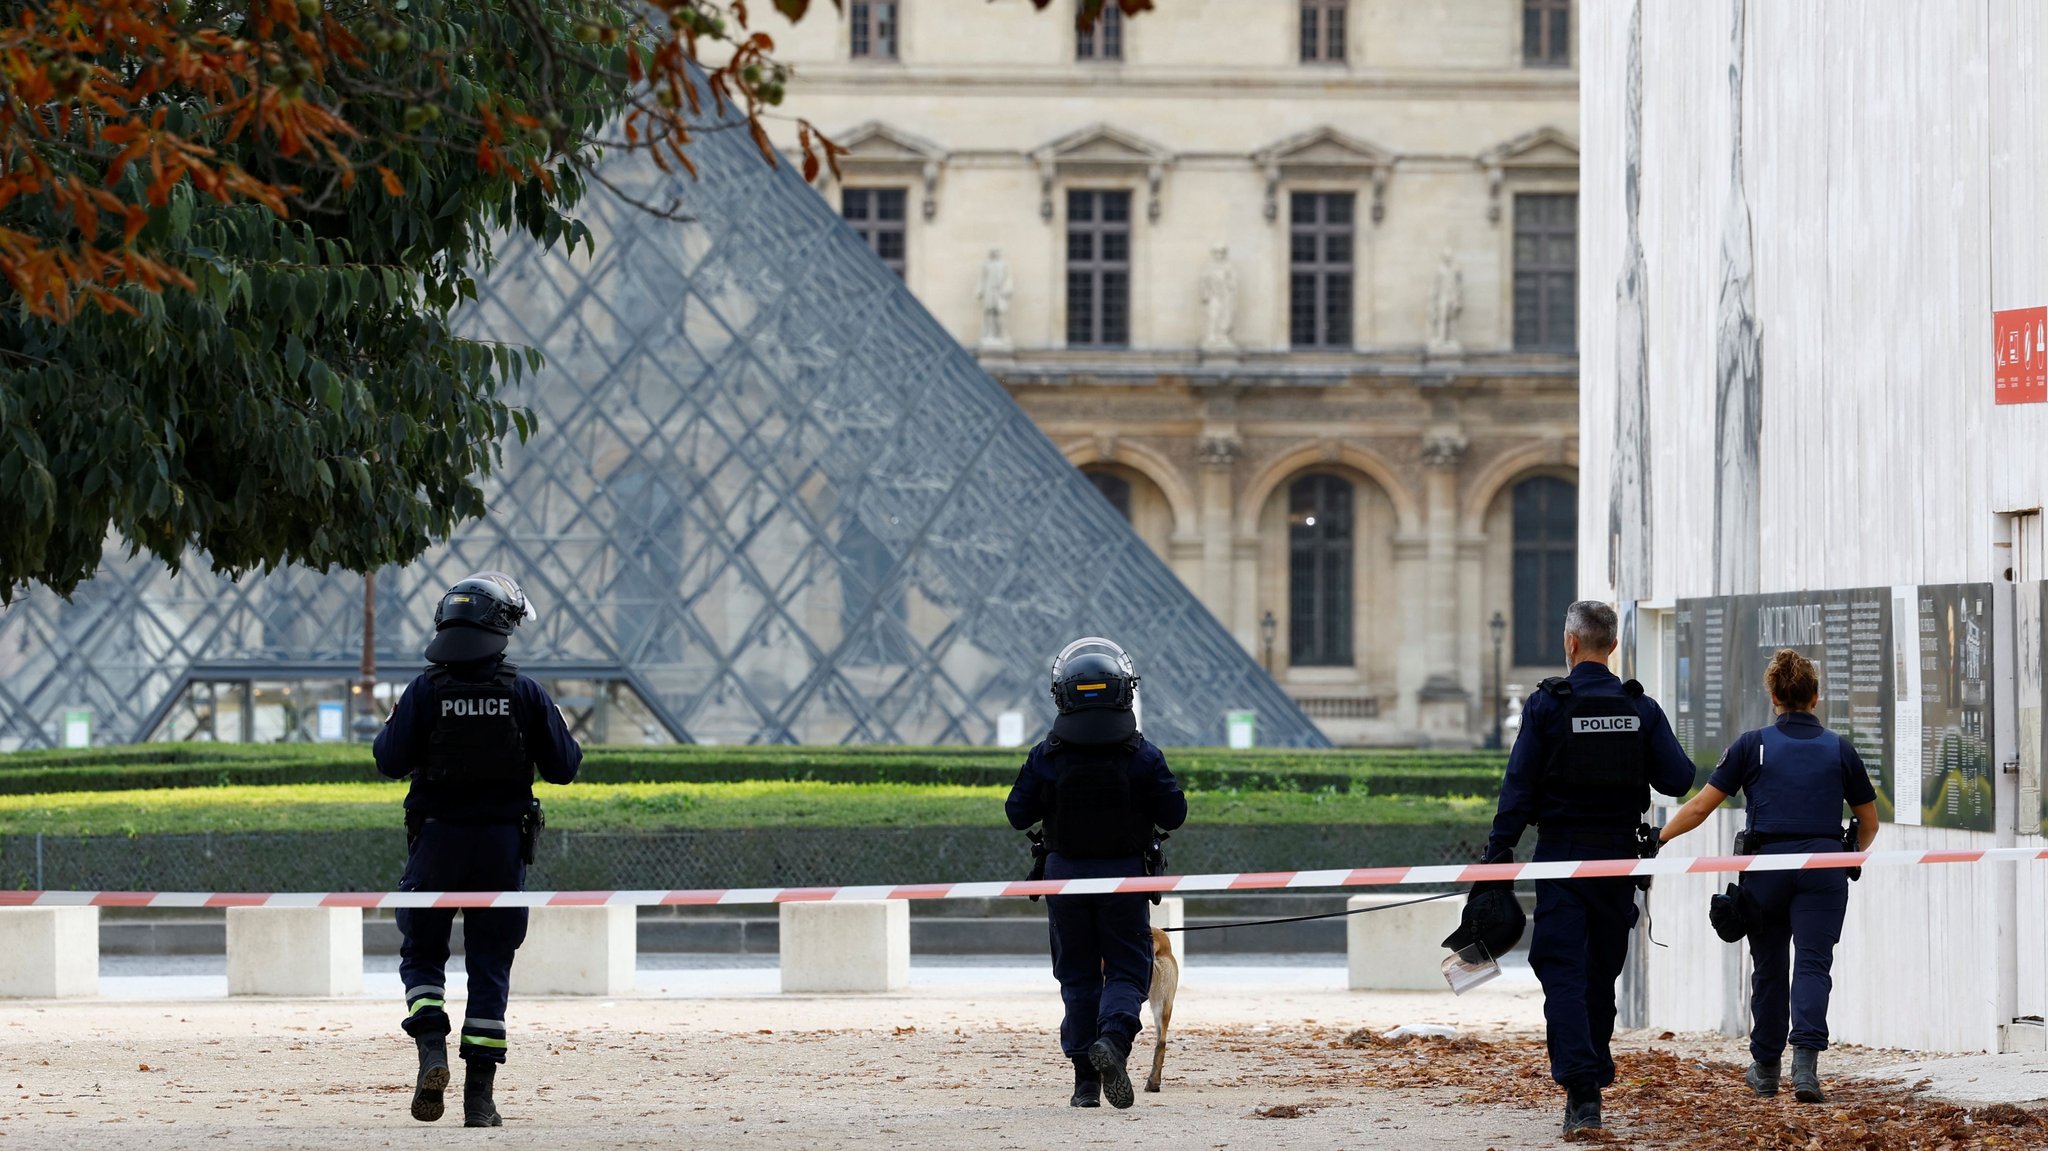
pixel 1094 674
pixel 475 617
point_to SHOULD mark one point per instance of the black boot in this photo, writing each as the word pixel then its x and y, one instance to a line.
pixel 1762 1078
pixel 426 1093
pixel 1581 1109
pixel 1806 1075
pixel 1087 1084
pixel 477 1108
pixel 1109 1056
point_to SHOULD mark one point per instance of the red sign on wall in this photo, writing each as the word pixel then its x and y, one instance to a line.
pixel 2020 353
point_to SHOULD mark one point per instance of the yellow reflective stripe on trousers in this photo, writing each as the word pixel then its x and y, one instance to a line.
pixel 482 1041
pixel 419 1003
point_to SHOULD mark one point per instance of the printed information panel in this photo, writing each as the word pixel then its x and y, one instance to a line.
pixel 1904 674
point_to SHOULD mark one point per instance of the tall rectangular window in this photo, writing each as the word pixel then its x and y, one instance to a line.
pixel 1319 571
pixel 1098 269
pixel 1546 571
pixel 1322 31
pixel 1546 272
pixel 874 29
pixel 1547 33
pixel 1104 40
pixel 877 214
pixel 1319 266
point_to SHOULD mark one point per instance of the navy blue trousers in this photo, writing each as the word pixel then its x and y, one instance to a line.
pixel 1101 954
pixel 461 857
pixel 1795 922
pixel 1578 947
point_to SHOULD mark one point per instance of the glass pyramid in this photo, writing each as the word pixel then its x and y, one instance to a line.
pixel 771 500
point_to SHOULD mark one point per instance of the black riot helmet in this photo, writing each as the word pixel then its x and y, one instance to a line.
pixel 1093 674
pixel 1493 919
pixel 475 618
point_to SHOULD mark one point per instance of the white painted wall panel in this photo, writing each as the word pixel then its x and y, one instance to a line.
pixel 1894 191
pixel 1894 161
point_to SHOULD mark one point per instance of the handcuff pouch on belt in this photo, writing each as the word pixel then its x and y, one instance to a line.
pixel 1038 854
pixel 530 826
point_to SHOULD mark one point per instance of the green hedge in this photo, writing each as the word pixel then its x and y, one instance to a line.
pixel 369 859
pixel 149 766
pixel 801 807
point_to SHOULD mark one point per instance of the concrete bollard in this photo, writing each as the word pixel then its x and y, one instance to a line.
pixel 1401 949
pixel 314 952
pixel 1169 913
pixel 49 952
pixel 578 951
pixel 858 945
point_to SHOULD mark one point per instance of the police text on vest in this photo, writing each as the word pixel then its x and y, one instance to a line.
pixel 475 707
pixel 1603 723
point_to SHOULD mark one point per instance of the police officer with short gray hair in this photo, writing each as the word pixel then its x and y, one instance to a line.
pixel 1590 749
pixel 470 731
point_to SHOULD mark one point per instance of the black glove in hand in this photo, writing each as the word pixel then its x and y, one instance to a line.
pixel 1855 873
pixel 1647 842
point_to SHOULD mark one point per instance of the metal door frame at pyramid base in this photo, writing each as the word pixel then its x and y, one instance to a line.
pixel 226 671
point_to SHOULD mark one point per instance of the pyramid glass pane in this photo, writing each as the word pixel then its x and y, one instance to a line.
pixel 771 500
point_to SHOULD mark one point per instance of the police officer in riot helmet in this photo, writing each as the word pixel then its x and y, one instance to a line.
pixel 470 732
pixel 1590 749
pixel 1101 789
pixel 1795 776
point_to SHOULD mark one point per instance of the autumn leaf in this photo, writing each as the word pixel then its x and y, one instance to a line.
pixel 392 184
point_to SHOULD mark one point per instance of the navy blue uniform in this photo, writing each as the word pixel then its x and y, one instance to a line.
pixel 467 840
pixel 1580 940
pixel 1101 944
pixel 1794 777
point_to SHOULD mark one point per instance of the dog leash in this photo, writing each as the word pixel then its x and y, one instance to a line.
pixel 1324 915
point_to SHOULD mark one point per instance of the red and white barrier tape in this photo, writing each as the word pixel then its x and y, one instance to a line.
pixel 1242 881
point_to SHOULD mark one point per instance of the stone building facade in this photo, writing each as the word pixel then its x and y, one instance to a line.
pixel 1294 281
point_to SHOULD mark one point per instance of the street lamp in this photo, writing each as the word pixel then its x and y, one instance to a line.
pixel 1498 625
pixel 1267 626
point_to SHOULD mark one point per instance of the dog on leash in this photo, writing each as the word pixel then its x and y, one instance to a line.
pixel 1165 982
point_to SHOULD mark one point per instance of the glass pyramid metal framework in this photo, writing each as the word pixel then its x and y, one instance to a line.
pixel 771 500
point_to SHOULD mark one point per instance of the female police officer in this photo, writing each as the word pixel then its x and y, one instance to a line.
pixel 1794 776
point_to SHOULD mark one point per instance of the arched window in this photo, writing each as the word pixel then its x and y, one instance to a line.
pixel 1319 571
pixel 1115 489
pixel 1546 566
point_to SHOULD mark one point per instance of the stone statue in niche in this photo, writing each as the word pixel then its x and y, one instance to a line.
pixel 1219 301
pixel 994 292
pixel 1445 306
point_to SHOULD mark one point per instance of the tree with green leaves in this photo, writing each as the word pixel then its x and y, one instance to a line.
pixel 233 235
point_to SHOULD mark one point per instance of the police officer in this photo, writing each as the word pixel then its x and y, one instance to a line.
pixel 1590 749
pixel 1100 788
pixel 470 732
pixel 1794 776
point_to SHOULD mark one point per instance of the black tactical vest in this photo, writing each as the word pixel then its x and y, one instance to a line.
pixel 475 748
pixel 1094 815
pixel 1599 760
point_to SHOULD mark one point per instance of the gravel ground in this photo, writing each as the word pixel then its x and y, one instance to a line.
pixel 956 1065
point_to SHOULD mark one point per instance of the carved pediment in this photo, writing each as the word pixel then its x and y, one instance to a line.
pixel 1542 148
pixel 875 142
pixel 1544 154
pixel 1103 145
pixel 1325 153
pixel 1102 148
pixel 875 148
pixel 1323 149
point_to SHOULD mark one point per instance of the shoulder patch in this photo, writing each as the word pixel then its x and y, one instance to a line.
pixel 1557 687
pixel 1634 688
